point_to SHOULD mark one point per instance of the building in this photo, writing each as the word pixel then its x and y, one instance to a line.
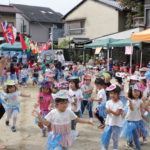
pixel 94 18
pixel 147 13
pixel 91 19
pixel 39 22
pixel 8 13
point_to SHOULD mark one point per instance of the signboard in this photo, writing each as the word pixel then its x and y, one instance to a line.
pixel 98 50
pixel 128 50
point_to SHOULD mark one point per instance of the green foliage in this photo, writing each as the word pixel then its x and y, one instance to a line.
pixel 136 9
pixel 64 44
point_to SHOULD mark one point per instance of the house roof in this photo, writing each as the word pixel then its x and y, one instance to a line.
pixel 110 3
pixel 40 14
pixel 9 9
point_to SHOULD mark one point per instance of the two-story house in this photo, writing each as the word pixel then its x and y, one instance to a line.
pixel 94 18
pixel 39 23
pixel 8 13
pixel 147 14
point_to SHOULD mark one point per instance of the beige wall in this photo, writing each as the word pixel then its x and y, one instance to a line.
pixel 100 19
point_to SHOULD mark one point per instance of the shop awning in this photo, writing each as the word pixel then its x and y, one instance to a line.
pixel 141 36
pixel 80 40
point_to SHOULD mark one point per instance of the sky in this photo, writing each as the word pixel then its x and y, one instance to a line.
pixel 62 6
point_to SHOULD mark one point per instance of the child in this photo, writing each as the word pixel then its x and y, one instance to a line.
pixel 44 102
pixel 100 112
pixel 17 70
pixel 119 82
pixel 24 75
pixel 35 74
pixel 60 120
pixel 12 72
pixel 75 98
pixel 114 108
pixel 87 92
pixel 13 105
pixel 133 118
pixel 4 76
pixel 48 70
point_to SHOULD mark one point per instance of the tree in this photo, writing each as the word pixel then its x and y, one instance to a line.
pixel 135 9
pixel 63 44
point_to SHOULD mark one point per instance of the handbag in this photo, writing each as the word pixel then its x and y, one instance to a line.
pixel 2 110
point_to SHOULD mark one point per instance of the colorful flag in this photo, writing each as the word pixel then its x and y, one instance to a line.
pixel 24 46
pixel 27 40
pixel 9 32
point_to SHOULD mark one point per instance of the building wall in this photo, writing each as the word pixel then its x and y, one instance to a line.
pixel 20 20
pixel 100 19
pixel 147 1
pixel 39 32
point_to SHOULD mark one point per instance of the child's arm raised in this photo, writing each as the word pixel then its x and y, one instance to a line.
pixel 84 121
pixel 37 115
pixel 25 95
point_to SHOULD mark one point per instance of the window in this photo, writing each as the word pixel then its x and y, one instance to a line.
pixel 43 11
pixel 148 17
pixel 75 27
pixel 23 28
pixel 50 12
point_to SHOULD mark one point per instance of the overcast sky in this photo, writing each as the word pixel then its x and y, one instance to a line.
pixel 62 6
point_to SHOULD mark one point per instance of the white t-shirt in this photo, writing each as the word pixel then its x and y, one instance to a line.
pixel 75 94
pixel 60 118
pixel 111 119
pixel 40 60
pixel 102 94
pixel 48 70
pixel 135 114
pixel 146 92
pixel 12 98
pixel 24 73
pixel 24 58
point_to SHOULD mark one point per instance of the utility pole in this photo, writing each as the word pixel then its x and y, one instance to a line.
pixel 51 37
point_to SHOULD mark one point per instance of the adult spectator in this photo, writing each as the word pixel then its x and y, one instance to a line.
pixel 24 58
pixel 15 58
pixel 91 62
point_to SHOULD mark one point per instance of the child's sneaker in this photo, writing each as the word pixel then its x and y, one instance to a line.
pixel 13 129
pixel 7 123
pixel 145 142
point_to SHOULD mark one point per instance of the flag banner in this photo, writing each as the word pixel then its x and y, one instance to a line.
pixel 24 46
pixel 128 50
pixel 9 32
pixel 27 40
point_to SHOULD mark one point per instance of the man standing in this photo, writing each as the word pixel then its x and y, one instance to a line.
pixel 15 58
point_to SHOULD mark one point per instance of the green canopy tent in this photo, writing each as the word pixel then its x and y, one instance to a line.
pixel 8 46
pixel 128 42
pixel 102 43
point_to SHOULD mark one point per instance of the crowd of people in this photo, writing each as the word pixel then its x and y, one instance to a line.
pixel 122 100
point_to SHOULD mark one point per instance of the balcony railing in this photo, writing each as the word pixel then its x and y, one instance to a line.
pixel 138 21
pixel 76 31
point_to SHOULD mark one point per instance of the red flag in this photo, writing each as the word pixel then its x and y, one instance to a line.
pixel 8 32
pixel 24 46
